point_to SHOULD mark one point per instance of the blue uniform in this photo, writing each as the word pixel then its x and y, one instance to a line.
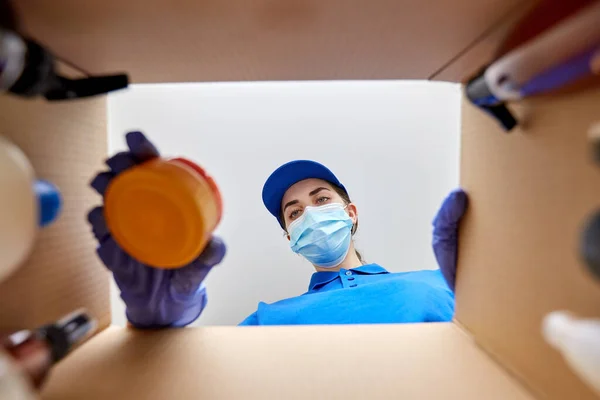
pixel 365 295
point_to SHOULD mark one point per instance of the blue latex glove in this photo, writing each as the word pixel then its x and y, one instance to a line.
pixel 153 297
pixel 445 233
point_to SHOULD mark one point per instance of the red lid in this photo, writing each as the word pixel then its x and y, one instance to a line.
pixel 211 183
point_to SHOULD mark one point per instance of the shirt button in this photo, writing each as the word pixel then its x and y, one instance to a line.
pixel 348 273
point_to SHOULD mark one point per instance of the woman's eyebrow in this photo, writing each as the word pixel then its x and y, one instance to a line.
pixel 317 190
pixel 290 203
pixel 293 202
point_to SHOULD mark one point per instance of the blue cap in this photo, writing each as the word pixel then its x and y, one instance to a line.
pixel 288 175
pixel 49 201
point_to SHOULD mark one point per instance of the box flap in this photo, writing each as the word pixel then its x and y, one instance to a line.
pixel 231 40
pixel 420 361
pixel 66 143
pixel 531 192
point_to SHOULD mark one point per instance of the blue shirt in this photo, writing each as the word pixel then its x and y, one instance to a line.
pixel 365 295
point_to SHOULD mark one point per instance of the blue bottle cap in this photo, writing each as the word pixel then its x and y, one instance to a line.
pixel 49 201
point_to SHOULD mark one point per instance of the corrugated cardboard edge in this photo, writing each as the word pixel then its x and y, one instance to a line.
pixel 481 51
pixel 496 359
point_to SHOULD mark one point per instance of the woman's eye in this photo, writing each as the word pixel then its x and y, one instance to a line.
pixel 322 200
pixel 295 214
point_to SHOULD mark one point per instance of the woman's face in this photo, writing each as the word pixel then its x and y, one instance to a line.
pixel 310 192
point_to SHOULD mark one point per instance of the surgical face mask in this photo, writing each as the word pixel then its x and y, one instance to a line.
pixel 322 235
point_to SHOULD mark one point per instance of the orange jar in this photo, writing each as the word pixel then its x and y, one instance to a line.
pixel 163 212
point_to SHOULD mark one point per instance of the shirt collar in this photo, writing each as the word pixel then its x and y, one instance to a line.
pixel 323 278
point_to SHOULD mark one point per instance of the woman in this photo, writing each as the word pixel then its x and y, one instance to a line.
pixel 314 209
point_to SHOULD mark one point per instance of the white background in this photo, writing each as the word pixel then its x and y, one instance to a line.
pixel 394 145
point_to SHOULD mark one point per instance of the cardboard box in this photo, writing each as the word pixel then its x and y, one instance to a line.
pixel 530 193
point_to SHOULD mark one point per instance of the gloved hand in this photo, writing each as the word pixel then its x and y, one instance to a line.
pixel 445 233
pixel 153 297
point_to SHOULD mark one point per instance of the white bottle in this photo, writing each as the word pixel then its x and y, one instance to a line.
pixel 18 207
pixel 578 340
pixel 26 204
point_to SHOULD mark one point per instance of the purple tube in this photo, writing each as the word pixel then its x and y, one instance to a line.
pixel 574 68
